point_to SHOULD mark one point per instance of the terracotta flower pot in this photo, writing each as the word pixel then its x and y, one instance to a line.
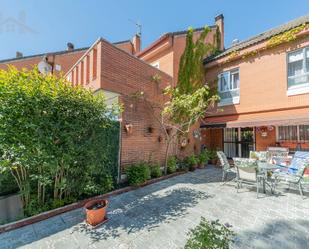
pixel 96 211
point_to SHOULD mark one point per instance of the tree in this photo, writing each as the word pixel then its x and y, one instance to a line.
pixel 55 139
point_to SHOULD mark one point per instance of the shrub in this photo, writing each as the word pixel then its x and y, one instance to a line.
pixel 138 173
pixel 182 165
pixel 192 160
pixel 171 164
pixel 56 139
pixel 210 235
pixel 155 170
pixel 203 157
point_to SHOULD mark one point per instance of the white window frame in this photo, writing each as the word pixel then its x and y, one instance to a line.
pixel 233 100
pixel 301 88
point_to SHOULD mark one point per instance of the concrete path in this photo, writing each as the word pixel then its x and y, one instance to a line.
pixel 160 215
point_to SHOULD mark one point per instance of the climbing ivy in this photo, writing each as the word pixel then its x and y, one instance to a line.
pixel 287 36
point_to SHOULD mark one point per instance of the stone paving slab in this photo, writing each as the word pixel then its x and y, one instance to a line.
pixel 160 215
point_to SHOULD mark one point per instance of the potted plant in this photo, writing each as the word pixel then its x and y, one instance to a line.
pixel 213 157
pixel 192 162
pixel 202 159
pixel 96 211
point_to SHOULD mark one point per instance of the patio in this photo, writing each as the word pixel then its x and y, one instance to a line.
pixel 160 215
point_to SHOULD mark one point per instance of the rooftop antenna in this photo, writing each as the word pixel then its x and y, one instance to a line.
pixel 138 27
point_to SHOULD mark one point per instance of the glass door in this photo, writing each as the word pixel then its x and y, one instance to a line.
pixel 238 142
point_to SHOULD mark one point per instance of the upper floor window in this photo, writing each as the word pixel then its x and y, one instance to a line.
pixel 298 71
pixel 228 87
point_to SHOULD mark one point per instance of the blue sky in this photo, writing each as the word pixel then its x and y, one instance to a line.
pixel 53 23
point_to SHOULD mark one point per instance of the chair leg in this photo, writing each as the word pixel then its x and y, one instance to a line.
pixel 301 190
pixel 257 188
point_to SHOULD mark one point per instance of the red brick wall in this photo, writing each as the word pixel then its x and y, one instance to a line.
pixel 126 75
pixel 262 143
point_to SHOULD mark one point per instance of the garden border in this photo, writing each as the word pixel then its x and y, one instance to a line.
pixel 51 213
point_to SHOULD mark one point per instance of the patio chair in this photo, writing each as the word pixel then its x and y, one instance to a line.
pixel 247 173
pixel 294 176
pixel 226 167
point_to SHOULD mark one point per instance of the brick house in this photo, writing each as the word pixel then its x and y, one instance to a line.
pixel 263 83
pixel 120 76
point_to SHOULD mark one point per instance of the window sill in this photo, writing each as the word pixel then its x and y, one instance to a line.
pixel 231 101
pixel 296 90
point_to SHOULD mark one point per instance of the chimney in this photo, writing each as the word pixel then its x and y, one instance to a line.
pixel 19 54
pixel 70 46
pixel 219 20
pixel 136 43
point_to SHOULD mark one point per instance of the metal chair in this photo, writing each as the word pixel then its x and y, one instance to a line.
pixel 226 167
pixel 293 178
pixel 247 173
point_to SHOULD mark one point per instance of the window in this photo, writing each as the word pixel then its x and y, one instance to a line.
pixel 228 87
pixel 298 71
pixel 304 132
pixel 94 64
pixel 287 133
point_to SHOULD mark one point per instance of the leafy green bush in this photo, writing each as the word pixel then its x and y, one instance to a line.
pixel 182 165
pixel 203 157
pixel 138 173
pixel 210 235
pixel 171 164
pixel 192 160
pixel 155 170
pixel 59 141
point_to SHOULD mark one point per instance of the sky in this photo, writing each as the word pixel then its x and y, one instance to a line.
pixel 40 26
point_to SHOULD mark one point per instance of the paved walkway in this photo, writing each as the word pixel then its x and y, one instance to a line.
pixel 160 215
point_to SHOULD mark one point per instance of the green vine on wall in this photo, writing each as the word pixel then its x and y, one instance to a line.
pixel 287 36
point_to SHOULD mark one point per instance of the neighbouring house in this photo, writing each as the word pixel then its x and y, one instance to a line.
pixel 165 54
pixel 62 61
pixel 263 83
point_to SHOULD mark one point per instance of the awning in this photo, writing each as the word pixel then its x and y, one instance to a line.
pixel 288 117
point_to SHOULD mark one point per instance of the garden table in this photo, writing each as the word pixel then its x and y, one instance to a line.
pixel 266 169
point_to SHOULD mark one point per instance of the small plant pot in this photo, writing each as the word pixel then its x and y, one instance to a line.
pixel 201 166
pixel 96 212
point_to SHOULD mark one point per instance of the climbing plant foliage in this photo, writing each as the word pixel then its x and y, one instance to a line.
pixel 57 141
pixel 191 70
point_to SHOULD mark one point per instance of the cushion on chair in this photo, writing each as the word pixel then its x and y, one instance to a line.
pixel 298 161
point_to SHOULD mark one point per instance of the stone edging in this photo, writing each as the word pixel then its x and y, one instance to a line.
pixel 79 204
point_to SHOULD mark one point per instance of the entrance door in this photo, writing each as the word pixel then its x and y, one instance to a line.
pixel 238 142
pixel 246 141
